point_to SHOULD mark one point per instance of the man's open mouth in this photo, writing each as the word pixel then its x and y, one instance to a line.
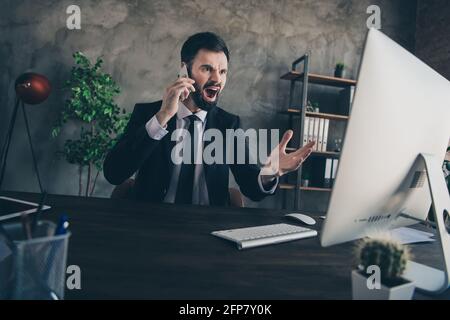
pixel 210 93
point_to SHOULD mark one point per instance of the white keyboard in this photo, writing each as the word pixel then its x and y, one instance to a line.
pixel 265 235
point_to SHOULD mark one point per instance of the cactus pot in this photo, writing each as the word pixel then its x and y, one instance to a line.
pixel 360 291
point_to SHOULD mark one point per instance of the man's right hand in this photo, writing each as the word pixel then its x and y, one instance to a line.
pixel 179 90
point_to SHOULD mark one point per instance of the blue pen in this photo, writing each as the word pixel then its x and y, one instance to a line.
pixel 63 225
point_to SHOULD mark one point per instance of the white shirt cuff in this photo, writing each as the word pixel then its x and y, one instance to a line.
pixel 272 190
pixel 155 130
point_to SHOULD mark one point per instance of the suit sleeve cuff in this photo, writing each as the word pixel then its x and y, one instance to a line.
pixel 155 130
pixel 268 189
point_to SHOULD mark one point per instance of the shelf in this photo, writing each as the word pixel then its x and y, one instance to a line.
pixel 286 186
pixel 319 79
pixel 306 78
pixel 329 116
pixel 326 154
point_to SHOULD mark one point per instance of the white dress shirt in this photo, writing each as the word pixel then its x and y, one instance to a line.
pixel 200 189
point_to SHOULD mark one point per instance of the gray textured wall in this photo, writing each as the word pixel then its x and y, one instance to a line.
pixel 140 42
pixel 433 34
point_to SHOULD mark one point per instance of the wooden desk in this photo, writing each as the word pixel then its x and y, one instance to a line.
pixel 147 251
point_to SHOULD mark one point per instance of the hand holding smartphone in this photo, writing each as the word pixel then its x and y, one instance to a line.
pixel 184 74
pixel 178 91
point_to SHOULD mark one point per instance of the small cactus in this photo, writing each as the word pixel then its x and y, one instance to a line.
pixel 389 255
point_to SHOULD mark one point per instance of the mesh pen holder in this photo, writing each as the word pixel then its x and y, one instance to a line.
pixel 39 264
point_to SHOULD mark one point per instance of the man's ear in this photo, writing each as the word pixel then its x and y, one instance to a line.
pixel 183 73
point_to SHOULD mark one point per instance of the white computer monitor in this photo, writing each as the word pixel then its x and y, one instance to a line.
pixel 397 135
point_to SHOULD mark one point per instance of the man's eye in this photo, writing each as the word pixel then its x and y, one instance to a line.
pixel 223 72
pixel 207 68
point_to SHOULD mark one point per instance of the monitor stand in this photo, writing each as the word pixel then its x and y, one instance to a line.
pixel 425 278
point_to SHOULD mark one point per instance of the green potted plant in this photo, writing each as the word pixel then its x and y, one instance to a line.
pixel 100 121
pixel 312 107
pixel 388 258
pixel 339 70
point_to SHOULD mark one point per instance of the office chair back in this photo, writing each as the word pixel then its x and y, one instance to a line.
pixel 236 198
pixel 124 190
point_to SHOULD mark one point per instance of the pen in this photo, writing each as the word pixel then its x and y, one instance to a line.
pixel 63 225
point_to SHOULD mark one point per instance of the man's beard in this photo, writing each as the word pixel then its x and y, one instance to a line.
pixel 200 101
pixel 197 96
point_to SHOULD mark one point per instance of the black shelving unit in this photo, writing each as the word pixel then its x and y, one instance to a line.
pixel 305 78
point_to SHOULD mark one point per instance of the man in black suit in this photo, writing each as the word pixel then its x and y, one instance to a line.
pixel 189 108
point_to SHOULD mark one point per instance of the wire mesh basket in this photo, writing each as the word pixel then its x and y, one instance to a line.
pixel 38 264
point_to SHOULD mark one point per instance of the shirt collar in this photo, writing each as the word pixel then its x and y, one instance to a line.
pixel 184 112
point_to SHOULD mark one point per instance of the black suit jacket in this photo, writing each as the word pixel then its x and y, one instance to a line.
pixel 137 152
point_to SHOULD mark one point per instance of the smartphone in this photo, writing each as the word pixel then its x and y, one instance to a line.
pixel 183 72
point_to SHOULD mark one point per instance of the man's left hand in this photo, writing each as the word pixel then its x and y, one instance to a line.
pixel 280 162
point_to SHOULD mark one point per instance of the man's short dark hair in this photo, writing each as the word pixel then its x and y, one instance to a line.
pixel 204 40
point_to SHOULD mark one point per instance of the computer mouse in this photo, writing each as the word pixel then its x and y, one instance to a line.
pixel 303 218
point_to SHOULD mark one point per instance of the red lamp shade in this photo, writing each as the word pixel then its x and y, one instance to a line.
pixel 32 88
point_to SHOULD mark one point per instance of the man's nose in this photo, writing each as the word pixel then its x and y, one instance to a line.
pixel 215 76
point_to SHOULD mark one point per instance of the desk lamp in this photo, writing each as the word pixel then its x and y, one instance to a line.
pixel 31 88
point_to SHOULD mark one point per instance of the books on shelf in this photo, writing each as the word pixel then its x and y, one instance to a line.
pixel 316 129
pixel 310 129
pixel 319 142
pixel 316 133
pixel 306 132
pixel 331 166
pixel 334 168
pixel 325 135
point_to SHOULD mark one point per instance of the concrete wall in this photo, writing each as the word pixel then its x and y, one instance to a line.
pixel 140 42
pixel 433 34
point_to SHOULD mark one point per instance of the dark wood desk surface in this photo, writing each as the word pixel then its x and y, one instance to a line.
pixel 147 251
